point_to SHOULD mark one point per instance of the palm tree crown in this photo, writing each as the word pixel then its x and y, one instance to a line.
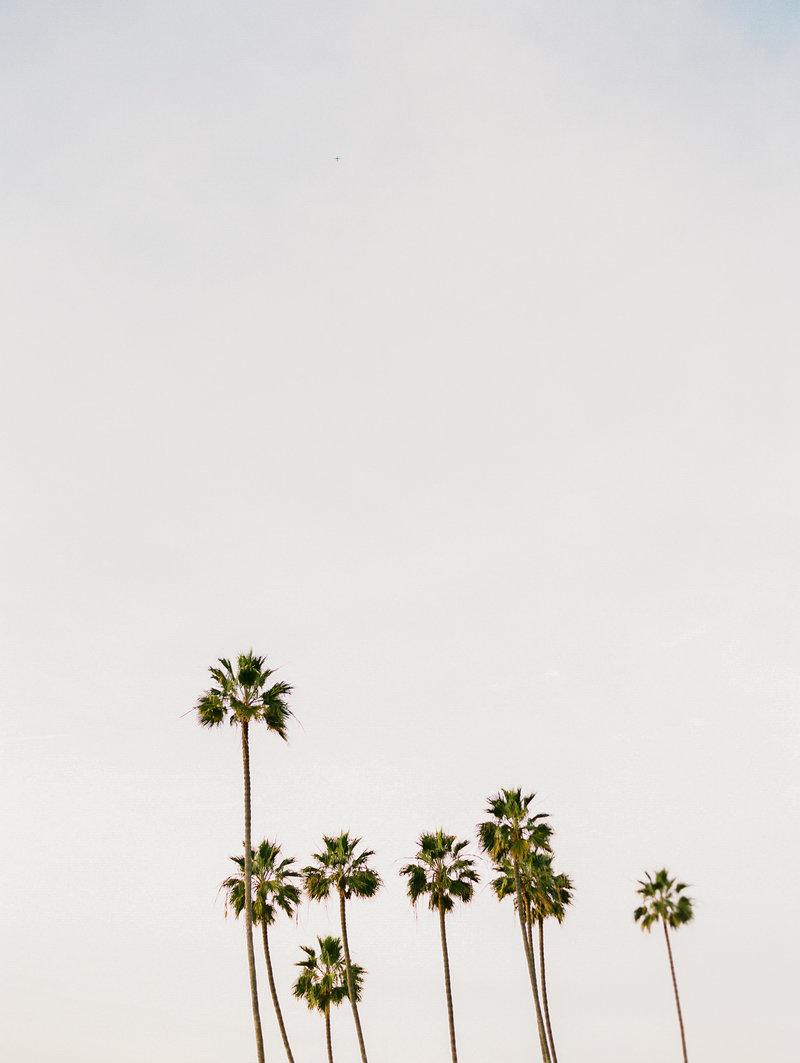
pixel 323 981
pixel 243 695
pixel 544 892
pixel 664 902
pixel 270 883
pixel 513 830
pixel 339 867
pixel 441 873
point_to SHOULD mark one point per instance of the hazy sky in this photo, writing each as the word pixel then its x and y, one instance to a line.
pixel 485 434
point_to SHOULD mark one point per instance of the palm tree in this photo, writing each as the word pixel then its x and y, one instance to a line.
pixel 272 889
pixel 340 868
pixel 552 898
pixel 511 834
pixel 664 903
pixel 544 894
pixel 324 981
pixel 244 696
pixel 445 876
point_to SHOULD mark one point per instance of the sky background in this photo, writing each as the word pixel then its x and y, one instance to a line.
pixel 486 435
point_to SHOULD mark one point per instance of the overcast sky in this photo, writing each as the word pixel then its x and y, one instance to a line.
pixel 485 434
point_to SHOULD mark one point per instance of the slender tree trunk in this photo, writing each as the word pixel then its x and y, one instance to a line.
pixel 544 991
pixel 274 993
pixel 349 972
pixel 677 998
pixel 448 994
pixel 248 896
pixel 328 1033
pixel 531 968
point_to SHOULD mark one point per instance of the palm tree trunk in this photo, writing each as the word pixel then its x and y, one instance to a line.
pixel 448 994
pixel 544 990
pixel 531 968
pixel 274 993
pixel 350 987
pixel 328 1033
pixel 677 998
pixel 248 897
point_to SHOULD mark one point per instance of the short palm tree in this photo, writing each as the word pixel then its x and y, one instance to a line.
pixel 444 875
pixel 273 890
pixel 244 695
pixel 339 867
pixel 665 902
pixel 324 981
pixel 510 835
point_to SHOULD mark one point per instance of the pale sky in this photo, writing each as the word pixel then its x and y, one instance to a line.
pixel 485 434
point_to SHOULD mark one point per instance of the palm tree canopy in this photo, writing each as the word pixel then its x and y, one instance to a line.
pixel 324 978
pixel 513 830
pixel 442 872
pixel 244 695
pixel 271 884
pixel 664 901
pixel 338 866
pixel 545 893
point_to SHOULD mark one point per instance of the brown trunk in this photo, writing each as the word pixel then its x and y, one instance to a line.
pixel 248 897
pixel 350 987
pixel 544 991
pixel 677 998
pixel 448 994
pixel 328 1033
pixel 531 968
pixel 274 993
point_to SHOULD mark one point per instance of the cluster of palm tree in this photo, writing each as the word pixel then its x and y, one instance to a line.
pixel 328 977
pixel 516 840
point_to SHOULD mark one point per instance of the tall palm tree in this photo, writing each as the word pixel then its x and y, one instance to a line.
pixel 272 889
pixel 324 981
pixel 339 867
pixel 550 899
pixel 244 696
pixel 665 902
pixel 444 875
pixel 512 833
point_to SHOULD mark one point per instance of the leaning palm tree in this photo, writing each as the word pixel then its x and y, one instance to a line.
pixel 511 834
pixel 243 695
pixel 324 981
pixel 665 903
pixel 551 894
pixel 444 875
pixel 544 894
pixel 338 867
pixel 272 890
